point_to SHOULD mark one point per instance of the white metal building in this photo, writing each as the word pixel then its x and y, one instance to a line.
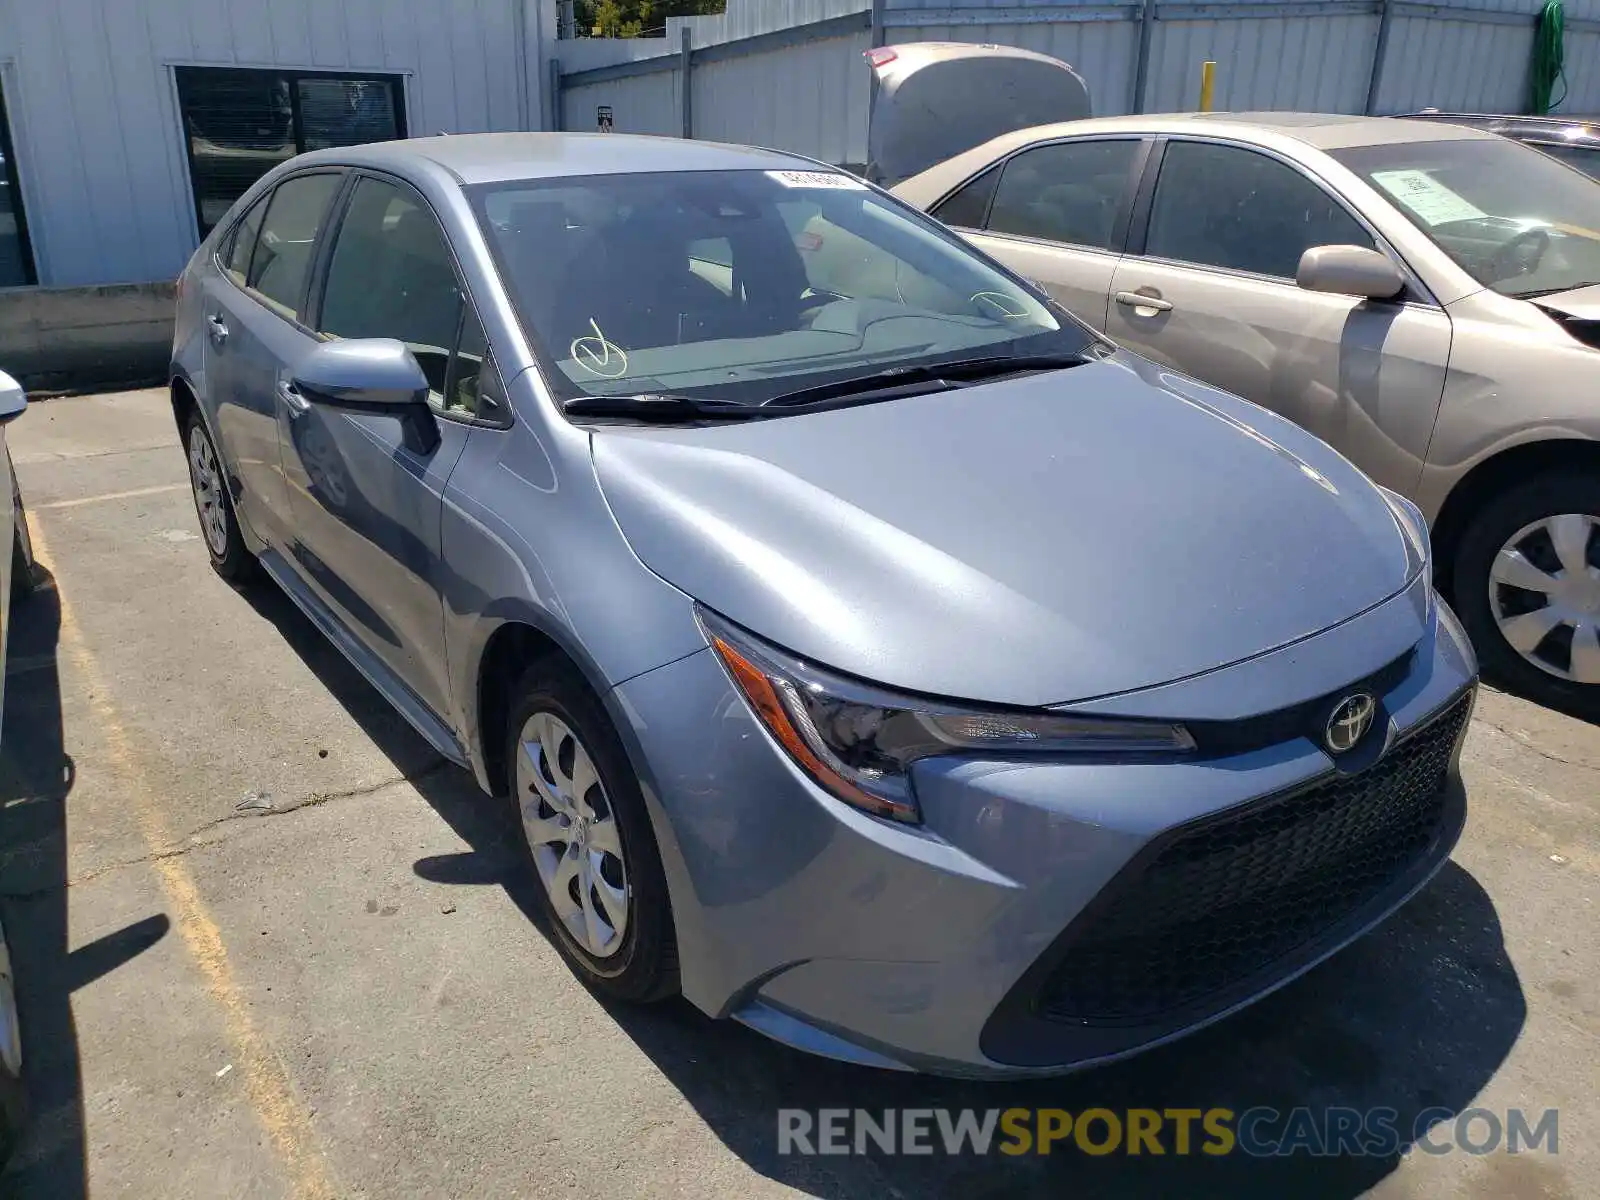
pixel 128 125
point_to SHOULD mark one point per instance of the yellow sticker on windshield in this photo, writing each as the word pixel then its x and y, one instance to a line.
pixel 1424 195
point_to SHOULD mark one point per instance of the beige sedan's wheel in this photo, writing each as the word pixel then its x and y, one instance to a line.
pixel 1526 584
pixel 1544 591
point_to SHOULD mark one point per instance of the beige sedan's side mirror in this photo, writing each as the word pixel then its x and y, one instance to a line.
pixel 1349 271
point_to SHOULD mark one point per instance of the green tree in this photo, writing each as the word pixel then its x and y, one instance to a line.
pixel 637 18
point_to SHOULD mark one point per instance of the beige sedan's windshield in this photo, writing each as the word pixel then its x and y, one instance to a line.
pixel 1516 220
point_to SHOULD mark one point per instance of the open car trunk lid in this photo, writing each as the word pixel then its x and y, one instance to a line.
pixel 936 99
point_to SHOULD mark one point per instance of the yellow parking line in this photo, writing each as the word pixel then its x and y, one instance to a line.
pixel 271 1094
pixel 130 495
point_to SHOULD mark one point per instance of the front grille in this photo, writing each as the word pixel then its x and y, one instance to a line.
pixel 1219 902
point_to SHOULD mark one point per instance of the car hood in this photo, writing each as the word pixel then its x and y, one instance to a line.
pixel 1036 541
pixel 1582 303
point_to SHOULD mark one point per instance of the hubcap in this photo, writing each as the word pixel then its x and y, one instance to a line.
pixel 572 832
pixel 206 479
pixel 1544 593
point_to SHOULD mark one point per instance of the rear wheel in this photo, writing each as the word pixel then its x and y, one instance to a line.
pixel 219 524
pixel 1527 588
pixel 590 839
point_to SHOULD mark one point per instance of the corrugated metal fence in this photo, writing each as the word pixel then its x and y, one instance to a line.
pixel 790 74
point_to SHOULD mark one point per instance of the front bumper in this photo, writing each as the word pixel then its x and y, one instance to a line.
pixel 948 947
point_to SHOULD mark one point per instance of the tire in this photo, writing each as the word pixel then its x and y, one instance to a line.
pixel 1545 670
pixel 638 963
pixel 219 523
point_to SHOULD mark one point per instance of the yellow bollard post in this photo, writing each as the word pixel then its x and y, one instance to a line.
pixel 1208 71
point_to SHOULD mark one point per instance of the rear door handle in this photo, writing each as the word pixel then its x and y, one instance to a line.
pixel 292 397
pixel 1140 300
pixel 219 329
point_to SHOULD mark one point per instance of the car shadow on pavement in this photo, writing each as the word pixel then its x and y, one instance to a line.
pixel 1417 1015
pixel 490 829
pixel 36 777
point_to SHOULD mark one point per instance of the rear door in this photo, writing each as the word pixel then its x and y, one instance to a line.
pixel 1056 213
pixel 1208 287
pixel 253 309
pixel 368 508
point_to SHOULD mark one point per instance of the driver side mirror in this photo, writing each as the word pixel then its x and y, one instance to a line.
pixel 372 375
pixel 1350 271
pixel 12 399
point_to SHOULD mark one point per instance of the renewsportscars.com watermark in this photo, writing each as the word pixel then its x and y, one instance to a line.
pixel 1256 1132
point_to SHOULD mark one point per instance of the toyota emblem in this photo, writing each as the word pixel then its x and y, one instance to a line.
pixel 1348 722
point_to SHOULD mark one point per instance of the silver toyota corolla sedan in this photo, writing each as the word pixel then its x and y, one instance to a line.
pixel 1424 296
pixel 869 649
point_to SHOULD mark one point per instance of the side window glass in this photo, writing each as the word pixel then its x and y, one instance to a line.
pixel 471 372
pixel 1585 158
pixel 391 276
pixel 968 206
pixel 242 241
pixel 289 238
pixel 1069 192
pixel 840 264
pixel 1223 206
pixel 712 260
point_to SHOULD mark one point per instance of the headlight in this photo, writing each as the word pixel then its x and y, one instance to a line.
pixel 859 742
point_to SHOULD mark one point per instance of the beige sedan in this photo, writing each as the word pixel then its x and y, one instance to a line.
pixel 1425 297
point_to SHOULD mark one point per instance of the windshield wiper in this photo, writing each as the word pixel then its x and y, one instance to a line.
pixel 654 406
pixel 1540 293
pixel 895 381
pixel 888 383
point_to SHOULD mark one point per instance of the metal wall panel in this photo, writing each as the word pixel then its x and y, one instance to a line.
pixel 1583 73
pixel 1459 66
pixel 1315 64
pixel 94 109
pixel 639 104
pixel 811 99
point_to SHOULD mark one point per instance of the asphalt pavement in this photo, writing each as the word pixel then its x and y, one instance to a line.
pixel 270 945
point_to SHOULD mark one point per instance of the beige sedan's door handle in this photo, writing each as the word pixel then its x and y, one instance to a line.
pixel 1139 300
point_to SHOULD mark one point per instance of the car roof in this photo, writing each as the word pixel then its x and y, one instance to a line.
pixel 1325 131
pixel 497 157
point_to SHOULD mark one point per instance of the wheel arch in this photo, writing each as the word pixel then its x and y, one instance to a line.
pixel 518 641
pixel 1492 477
pixel 184 402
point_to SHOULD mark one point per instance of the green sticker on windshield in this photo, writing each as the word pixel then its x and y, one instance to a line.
pixel 1424 195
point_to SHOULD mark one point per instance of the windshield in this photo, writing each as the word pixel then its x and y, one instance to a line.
pixel 1516 220
pixel 744 285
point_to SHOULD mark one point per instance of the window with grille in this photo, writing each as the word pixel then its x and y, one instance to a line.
pixel 241 123
pixel 16 258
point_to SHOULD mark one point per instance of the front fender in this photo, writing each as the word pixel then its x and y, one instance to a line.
pixel 528 540
pixel 1515 378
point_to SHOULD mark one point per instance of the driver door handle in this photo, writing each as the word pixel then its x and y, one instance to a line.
pixel 1140 300
pixel 292 397
pixel 219 328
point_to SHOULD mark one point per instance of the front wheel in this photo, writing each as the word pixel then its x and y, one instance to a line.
pixel 590 838
pixel 1527 588
pixel 219 522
